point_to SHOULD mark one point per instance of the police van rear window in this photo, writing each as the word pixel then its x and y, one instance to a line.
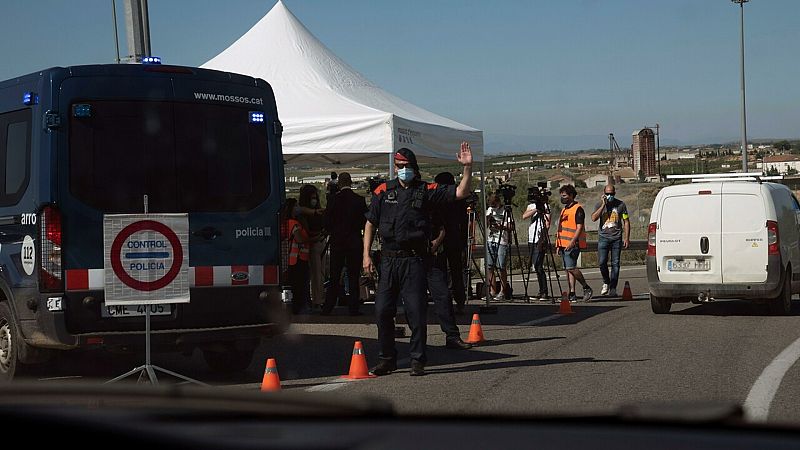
pixel 185 157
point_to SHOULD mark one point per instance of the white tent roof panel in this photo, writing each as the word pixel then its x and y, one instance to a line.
pixel 330 112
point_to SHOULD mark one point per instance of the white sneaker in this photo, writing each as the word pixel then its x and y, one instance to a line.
pixel 500 297
pixel 604 289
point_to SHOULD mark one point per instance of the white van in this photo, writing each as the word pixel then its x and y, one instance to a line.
pixel 733 237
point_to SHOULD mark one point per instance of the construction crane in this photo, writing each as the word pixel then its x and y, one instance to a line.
pixel 613 147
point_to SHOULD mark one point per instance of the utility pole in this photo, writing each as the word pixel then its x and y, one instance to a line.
pixel 137 27
pixel 116 33
pixel 744 113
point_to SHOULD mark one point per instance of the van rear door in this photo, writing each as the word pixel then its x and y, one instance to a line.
pixel 208 159
pixel 744 242
pixel 689 236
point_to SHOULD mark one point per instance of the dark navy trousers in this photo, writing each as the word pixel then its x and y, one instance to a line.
pixel 402 277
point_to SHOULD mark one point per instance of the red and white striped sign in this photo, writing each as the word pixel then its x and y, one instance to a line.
pixel 203 276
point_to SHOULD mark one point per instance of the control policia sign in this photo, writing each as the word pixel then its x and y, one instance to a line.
pixel 146 259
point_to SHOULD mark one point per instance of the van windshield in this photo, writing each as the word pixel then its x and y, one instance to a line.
pixel 187 157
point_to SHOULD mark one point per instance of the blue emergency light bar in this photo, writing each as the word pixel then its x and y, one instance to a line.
pixel 151 60
pixel 30 98
pixel 81 110
pixel 256 117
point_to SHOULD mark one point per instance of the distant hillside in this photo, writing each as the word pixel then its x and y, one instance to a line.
pixel 509 143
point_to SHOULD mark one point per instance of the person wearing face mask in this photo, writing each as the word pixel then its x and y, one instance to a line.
pixel 613 236
pixel 571 239
pixel 313 215
pixel 401 211
pixel 345 221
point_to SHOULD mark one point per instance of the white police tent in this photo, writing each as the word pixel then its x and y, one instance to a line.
pixel 331 114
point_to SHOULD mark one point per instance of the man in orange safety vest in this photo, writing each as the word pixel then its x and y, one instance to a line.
pixel 571 239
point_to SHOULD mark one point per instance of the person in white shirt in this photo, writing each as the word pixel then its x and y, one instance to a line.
pixel 540 224
pixel 497 251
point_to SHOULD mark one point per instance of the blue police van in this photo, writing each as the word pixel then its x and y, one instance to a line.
pixel 78 143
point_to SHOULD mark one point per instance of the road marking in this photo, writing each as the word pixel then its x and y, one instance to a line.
pixel 541 320
pixel 332 385
pixel 760 397
pixel 70 377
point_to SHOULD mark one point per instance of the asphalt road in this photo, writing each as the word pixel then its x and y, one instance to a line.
pixel 606 355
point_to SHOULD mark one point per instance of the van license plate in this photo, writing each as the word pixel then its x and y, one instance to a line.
pixel 688 265
pixel 135 310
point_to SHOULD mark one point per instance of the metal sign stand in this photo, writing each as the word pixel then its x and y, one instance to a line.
pixel 148 370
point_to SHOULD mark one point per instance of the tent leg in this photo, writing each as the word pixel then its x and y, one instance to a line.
pixel 487 308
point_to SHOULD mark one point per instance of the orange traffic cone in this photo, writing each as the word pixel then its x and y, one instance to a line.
pixel 271 381
pixel 565 307
pixel 358 364
pixel 626 293
pixel 475 331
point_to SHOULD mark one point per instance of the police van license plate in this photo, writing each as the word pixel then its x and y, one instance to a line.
pixel 689 265
pixel 135 310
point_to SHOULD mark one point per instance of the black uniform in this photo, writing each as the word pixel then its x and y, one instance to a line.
pixel 346 223
pixel 403 218
pixel 437 285
pixel 455 241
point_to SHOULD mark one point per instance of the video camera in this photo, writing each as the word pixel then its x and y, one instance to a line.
pixel 539 195
pixel 507 191
pixel 472 200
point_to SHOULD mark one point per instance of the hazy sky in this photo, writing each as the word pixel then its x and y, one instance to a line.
pixel 540 68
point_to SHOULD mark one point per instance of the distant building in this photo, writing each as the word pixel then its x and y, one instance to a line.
pixel 556 181
pixel 644 152
pixel 626 175
pixel 782 163
pixel 596 180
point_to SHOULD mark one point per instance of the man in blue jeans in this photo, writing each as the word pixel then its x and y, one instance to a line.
pixel 614 224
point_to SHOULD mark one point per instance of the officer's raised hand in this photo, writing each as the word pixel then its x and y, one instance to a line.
pixel 465 158
pixel 465 155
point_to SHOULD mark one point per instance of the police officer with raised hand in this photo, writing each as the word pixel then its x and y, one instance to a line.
pixel 401 210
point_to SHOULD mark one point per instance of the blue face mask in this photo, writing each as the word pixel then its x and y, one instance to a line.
pixel 610 197
pixel 405 174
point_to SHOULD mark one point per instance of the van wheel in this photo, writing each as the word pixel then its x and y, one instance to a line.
pixel 10 342
pixel 660 305
pixel 230 361
pixel 782 304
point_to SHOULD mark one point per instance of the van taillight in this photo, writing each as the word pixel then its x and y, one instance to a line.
pixel 773 239
pixel 651 239
pixel 51 276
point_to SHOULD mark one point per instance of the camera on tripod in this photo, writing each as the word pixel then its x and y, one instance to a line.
pixel 539 195
pixel 472 200
pixel 507 191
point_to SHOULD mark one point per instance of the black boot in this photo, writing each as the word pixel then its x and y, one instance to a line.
pixel 457 344
pixel 385 367
pixel 417 369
